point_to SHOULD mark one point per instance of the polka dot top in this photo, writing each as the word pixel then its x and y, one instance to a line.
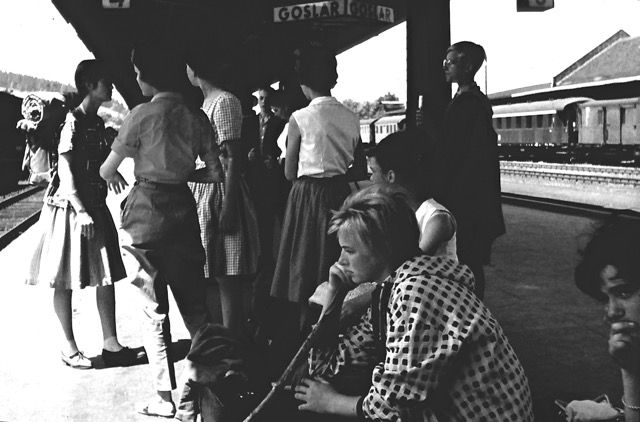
pixel 447 358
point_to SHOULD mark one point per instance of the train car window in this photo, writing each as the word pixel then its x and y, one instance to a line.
pixel 529 122
pixel 600 117
pixel 623 115
pixel 508 122
pixel 498 123
pixel 518 122
pixel 540 120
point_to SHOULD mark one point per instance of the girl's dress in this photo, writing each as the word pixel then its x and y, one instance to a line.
pixel 63 258
pixel 237 252
pixel 329 136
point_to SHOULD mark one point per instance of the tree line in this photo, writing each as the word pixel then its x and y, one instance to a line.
pixel 370 109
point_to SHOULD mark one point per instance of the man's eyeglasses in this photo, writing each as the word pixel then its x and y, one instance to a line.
pixel 449 62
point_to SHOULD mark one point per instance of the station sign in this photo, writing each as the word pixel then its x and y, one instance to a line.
pixel 116 4
pixel 534 5
pixel 333 9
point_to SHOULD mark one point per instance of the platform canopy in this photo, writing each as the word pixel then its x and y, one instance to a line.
pixel 262 34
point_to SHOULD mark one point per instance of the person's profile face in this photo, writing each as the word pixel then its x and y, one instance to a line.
pixel 358 262
pixel 623 297
pixel 378 176
pixel 280 112
pixel 192 76
pixel 146 89
pixel 102 91
pixel 454 67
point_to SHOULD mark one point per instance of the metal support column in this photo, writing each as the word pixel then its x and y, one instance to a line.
pixel 428 37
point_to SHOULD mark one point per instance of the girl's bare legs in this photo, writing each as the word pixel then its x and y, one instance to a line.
pixel 106 302
pixel 232 303
pixel 62 308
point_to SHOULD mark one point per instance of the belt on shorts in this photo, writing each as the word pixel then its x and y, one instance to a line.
pixel 164 187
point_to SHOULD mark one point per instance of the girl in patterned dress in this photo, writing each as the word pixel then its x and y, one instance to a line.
pixel 428 348
pixel 79 242
pixel 228 221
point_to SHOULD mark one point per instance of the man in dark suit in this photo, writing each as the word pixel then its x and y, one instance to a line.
pixel 470 172
pixel 264 179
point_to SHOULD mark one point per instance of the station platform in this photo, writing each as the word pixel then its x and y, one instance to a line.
pixel 557 332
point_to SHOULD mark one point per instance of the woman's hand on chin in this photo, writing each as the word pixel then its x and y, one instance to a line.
pixel 339 279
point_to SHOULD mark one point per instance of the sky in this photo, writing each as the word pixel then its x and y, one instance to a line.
pixel 522 48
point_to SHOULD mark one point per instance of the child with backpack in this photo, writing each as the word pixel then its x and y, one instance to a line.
pixel 79 246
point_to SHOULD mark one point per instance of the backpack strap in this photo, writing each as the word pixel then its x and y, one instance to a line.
pixel 379 310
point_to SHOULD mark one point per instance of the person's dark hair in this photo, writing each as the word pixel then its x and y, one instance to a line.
pixel 90 72
pixel 317 68
pixel 267 89
pixel 409 154
pixel 218 69
pixel 161 64
pixel 617 243
pixel 473 53
pixel 383 220
pixel 279 98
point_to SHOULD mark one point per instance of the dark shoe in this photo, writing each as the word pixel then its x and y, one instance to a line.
pixel 77 360
pixel 123 357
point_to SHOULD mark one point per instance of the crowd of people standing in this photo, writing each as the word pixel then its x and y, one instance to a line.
pixel 212 209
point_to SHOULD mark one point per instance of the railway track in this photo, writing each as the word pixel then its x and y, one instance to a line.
pixel 19 210
pixel 582 173
pixel 566 207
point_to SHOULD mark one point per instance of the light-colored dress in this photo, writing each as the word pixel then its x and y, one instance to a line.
pixel 237 252
pixel 62 256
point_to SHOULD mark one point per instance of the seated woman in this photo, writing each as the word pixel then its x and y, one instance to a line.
pixel 610 272
pixel 430 348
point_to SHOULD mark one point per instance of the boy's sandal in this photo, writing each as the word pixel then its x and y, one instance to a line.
pixel 164 409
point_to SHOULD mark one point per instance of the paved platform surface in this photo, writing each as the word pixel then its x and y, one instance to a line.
pixel 556 331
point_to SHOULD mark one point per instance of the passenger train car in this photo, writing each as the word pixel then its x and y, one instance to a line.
pixel 569 130
pixel 579 130
pixel 373 131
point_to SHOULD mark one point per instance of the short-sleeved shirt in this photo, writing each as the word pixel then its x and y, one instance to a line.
pixel 83 138
pixel 424 213
pixel 225 116
pixel 164 137
pixel 446 358
pixel 329 135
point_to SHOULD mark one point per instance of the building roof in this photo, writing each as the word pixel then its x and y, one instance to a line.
pixel 614 61
pixel 606 61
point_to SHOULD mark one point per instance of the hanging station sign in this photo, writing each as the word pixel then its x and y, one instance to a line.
pixel 116 4
pixel 333 9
